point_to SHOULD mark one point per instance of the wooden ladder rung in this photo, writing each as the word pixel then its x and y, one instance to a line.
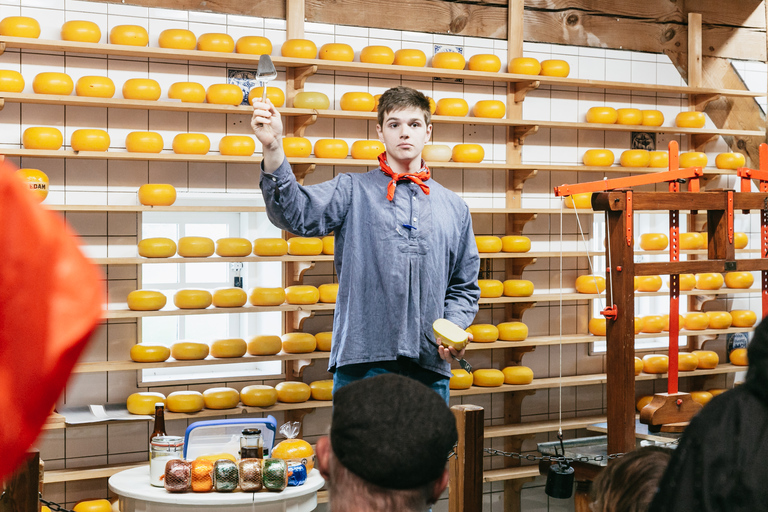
pixel 498 475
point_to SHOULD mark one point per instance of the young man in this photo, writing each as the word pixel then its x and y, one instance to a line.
pixel 404 251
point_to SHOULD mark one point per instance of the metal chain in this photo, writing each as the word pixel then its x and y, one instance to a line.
pixel 55 507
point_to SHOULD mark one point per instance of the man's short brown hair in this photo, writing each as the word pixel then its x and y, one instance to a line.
pixel 401 97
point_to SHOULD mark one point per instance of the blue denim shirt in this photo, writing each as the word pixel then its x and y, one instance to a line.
pixel 393 281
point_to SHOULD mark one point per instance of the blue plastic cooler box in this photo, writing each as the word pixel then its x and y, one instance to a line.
pixel 223 436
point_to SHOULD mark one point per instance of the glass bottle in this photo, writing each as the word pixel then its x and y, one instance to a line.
pixel 159 421
pixel 251 444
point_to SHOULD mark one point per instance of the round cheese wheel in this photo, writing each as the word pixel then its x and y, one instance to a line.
pixel 42 137
pixel 254 45
pixel 680 322
pixel 512 331
pixel 655 363
pixel 177 39
pixel 638 366
pixel 302 294
pixel 258 395
pixel 20 26
pixel 635 158
pixel 298 147
pixel 648 283
pixel 658 159
pixel 687 361
pixel 299 48
pixel 642 402
pixel 494 109
pixel 331 148
pixel 95 87
pixel 224 94
pixel 149 353
pixel 730 160
pixel 436 153
pixel 11 81
pixel 691 241
pixel 324 340
pixel 93 506
pixel 37 182
pixel 709 281
pixel 144 402
pixel 524 66
pixel 456 107
pixel 598 157
pixel 410 57
pixel 693 159
pixel 487 378
pixel 707 359
pixel 187 92
pixel 513 243
pixel 274 94
pixel 130 35
pixel 328 245
pixel 687 282
pixel 602 115
pixel 265 345
pixel 357 101
pixel 305 246
pixel 738 357
pixel 490 288
pixel 596 326
pixel 448 60
pixel 144 142
pixel 191 144
pixel 652 324
pixel 483 333
pixel 590 284
pixel 582 201
pixel 189 350
pixel 629 116
pixel 328 292
pixel 702 397
pixel 518 288
pixel 312 100
pixel 743 318
pixel 337 51
pixel 233 247
pixel 229 298
pixel 460 379
pixel 488 243
pixel 267 296
pixel 486 62
pixel 221 398
pixel 195 247
pixel 216 42
pixel 517 375
pixel 740 240
pixel 377 55
pixel 690 120
pixel 157 194
pixel 88 139
pixel 293 392
pixel 717 391
pixel 555 67
pixel 185 401
pixel 53 83
pixel 81 31
pixel 270 247
pixel 367 149
pixel 322 389
pixel 192 299
pixel 298 342
pixel 739 280
pixel 653 241
pixel 237 145
pixel 719 319
pixel 145 89
pixel 640 322
pixel 469 153
pixel 146 300
pixel 652 118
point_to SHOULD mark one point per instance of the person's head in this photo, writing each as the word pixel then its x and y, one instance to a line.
pixel 388 446
pixel 630 483
pixel 404 124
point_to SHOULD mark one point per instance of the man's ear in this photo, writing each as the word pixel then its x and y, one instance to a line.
pixel 323 449
pixel 440 486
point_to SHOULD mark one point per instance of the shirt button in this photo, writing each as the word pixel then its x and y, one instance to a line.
pixel 273 178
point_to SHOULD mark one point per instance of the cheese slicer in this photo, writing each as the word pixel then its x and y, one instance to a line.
pixel 265 73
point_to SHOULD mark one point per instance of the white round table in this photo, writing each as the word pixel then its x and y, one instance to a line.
pixel 136 494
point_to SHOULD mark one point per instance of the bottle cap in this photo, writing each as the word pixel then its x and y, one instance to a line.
pixel 251 431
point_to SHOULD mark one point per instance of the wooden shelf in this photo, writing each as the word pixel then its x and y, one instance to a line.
pixel 538 427
pixel 91 473
pixel 212 259
pixel 642 128
pixel 570 296
pixel 113 314
pixel 141 208
pixel 514 473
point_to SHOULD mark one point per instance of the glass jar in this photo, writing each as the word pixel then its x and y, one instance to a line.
pixel 161 450
pixel 251 444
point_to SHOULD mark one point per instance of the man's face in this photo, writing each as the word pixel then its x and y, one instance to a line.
pixel 404 134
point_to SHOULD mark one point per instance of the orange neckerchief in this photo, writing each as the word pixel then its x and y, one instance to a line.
pixel 418 178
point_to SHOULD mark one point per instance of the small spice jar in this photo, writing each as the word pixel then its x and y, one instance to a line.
pixel 161 450
pixel 251 444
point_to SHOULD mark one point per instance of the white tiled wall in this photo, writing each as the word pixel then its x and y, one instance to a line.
pixel 115 182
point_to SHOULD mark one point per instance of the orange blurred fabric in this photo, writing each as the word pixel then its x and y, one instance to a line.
pixel 51 299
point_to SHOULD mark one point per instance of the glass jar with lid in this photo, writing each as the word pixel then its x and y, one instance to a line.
pixel 161 450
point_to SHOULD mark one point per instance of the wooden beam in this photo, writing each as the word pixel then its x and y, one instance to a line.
pixel 466 469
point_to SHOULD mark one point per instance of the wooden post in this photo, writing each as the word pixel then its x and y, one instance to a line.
pixel 20 494
pixel 694 49
pixel 466 469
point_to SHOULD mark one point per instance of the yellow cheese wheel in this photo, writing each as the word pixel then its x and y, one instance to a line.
pixel 367 149
pixel 42 137
pixel 687 361
pixel 488 243
pixel 305 246
pixel 230 347
pixel 224 94
pixel 328 292
pixel 321 389
pixel 590 284
pixel 337 51
pixel 515 243
pixel 185 401
pixel 638 366
pixel 377 55
pixel 436 153
pixel 93 506
pixel 555 67
pixel 195 247
pixel 483 333
pixel 739 280
pixel 743 318
pixel 448 60
pixel 602 115
pixel 460 379
pixel 331 148
pixel 484 62
pixel 293 392
pixel 298 342
pixel 312 100
pixel 328 244
pixel 144 142
pixel 687 282
pixel 216 42
pixel 265 345
pixel 324 340
pixel 456 107
pixel 95 86
pixel 738 357
pixel 189 298
pixel 146 300
pixel 680 322
pixel 707 359
pixel 629 116
pixel 53 83
pixel 639 323
pixel 652 118
pixel 730 160
pixel 642 402
pixel 11 81
pixel 189 350
pixel 37 182
pixel 20 26
pixel 221 398
pixel 144 402
pixel 717 391
pixel 582 201
pixel 145 89
pixel 177 39
pixel 653 241
pixel 635 158
pixel 410 57
pixel 297 147
pixel 596 326
pixel 690 120
pixel 357 101
pixel 693 159
pixel 254 45
pixel 512 331
pixel 187 92
pixel 299 48
pixel 658 159
pixel 517 375
pixel 258 395
pixel 274 94
pixel 149 353
pixel 655 363
pixel 157 194
pixel 490 288
pixel 270 247
pixel 652 324
pixel 524 66
pixel 89 139
pixel 598 157
pixel 740 240
pixel 719 319
pixel 81 31
pixel 648 283
pixel 489 108
pixel 702 397
pixel 691 241
pixel 130 35
pixel 709 281
pixel 518 288
pixel 302 294
pixel 487 378
pixel 233 247
pixel 267 296
pixel 191 144
pixel 237 145
pixel 468 153
pixel 229 298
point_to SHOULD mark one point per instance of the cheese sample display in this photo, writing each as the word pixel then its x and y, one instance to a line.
pixel 324 340
pixel 141 353
pixel 518 288
pixel 144 142
pixel 739 280
pixel 410 57
pixel 229 297
pixel 230 347
pixel 367 149
pixel 224 94
pixel 95 87
pixel 189 350
pixel 707 359
pixel 590 284
pixel 468 153
pixel 265 345
pixel 709 281
pixel 487 378
pixel 687 362
pixel 298 342
pixel 20 26
pixel 357 101
pixel 655 363
pixel 738 357
pixel 690 120
pixel 37 182
pixel 292 392
pixel 448 60
pixel 483 333
pixel 336 51
pixel 436 153
pixel 450 334
pixel 221 398
pixel 328 245
pixel 177 39
pixel 524 66
pixel 488 243
pixel 295 451
pixel 653 241
pixel 743 318
pixel 253 45
pixel 455 107
pixel 555 67
pixel 648 283
pixel 274 94
pixel 582 201
pixel 129 35
pixel 89 139
pixel 145 89
pixel 328 292
pixel 301 246
pixel 144 402
pixel 233 247
pixel 11 81
pixel 261 296
pixel 512 331
pixel 191 144
pixel 321 389
pixel 216 42
pixel 299 48
pixel 513 243
pixel 192 299
pixel 460 379
pixel 237 145
pixel 313 100
pixel 331 148
pixel 602 115
pixel 187 92
pixel 486 62
pixel 157 194
pixel 196 247
pixel 629 116
pixel 258 395
pixel 185 401
pixel 490 288
pixel 517 375
pixel 146 300
pixel 598 157
pixel 377 55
